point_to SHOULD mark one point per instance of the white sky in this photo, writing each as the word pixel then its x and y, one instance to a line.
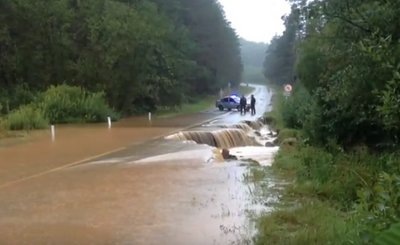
pixel 256 20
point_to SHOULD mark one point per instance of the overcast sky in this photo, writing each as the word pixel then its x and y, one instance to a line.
pixel 256 20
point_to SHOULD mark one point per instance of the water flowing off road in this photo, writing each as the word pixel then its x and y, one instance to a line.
pixel 136 183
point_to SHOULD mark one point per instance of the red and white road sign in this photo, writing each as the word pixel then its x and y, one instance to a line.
pixel 288 88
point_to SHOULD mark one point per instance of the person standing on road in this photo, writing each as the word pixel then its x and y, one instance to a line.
pixel 253 105
pixel 243 103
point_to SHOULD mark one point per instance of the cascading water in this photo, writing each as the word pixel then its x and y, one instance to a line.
pixel 243 126
pixel 254 124
pixel 223 138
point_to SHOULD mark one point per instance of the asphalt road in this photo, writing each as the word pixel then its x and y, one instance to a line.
pixel 149 192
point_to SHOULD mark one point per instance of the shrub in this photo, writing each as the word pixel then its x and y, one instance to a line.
pixel 288 133
pixel 64 104
pixel 381 203
pixel 26 118
pixel 296 108
pixel 16 96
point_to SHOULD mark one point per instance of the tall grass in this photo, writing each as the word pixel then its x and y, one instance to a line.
pixel 26 118
pixel 308 223
pixel 59 104
pixel 329 185
pixel 66 104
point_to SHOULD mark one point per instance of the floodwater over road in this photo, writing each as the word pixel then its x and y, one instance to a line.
pixel 175 189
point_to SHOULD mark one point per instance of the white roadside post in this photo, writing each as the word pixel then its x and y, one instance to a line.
pixel 53 133
pixel 149 116
pixel 109 122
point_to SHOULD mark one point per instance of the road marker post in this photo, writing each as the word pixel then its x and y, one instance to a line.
pixel 109 122
pixel 149 116
pixel 53 133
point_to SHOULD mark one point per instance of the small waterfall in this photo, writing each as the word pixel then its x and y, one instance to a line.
pixel 243 126
pixel 224 138
pixel 254 124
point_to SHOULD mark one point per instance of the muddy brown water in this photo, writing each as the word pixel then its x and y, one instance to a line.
pixel 150 191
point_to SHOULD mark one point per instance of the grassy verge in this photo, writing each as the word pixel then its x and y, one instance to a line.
pixel 274 117
pixel 309 222
pixel 334 196
pixel 188 108
pixel 304 213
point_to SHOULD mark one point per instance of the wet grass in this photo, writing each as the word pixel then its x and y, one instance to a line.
pixel 299 212
pixel 5 133
pixel 274 117
pixel 188 108
pixel 307 221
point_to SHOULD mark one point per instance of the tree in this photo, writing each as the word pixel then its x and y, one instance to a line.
pixel 141 53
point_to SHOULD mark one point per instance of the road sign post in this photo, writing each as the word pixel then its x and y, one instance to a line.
pixel 288 90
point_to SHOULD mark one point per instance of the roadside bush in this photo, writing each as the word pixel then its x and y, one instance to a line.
pixel 380 203
pixel 274 117
pixel 13 98
pixel 65 104
pixel 288 133
pixel 300 111
pixel 296 108
pixel 319 173
pixel 26 118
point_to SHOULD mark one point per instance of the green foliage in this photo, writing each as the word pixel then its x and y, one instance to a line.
pixel 26 118
pixel 280 57
pixel 296 109
pixel 381 202
pixel 389 237
pixel 142 54
pixel 318 174
pixel 390 107
pixel 287 133
pixel 347 57
pixel 355 182
pixel 309 222
pixel 274 117
pixel 63 103
pixel 195 105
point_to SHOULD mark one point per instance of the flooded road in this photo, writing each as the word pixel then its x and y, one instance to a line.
pixel 145 190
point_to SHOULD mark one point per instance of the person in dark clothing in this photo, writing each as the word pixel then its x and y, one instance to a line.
pixel 243 103
pixel 253 105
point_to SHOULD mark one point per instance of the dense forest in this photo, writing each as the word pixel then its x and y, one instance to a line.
pixel 343 59
pixel 253 55
pixel 138 54
pixel 347 56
